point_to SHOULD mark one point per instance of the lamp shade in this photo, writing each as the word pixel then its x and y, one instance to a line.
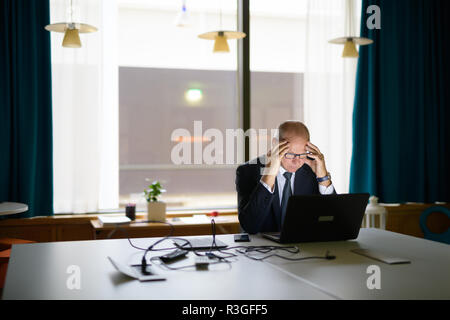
pixel 71 32
pixel 349 50
pixel 71 39
pixel 62 26
pixel 228 34
pixel 350 45
pixel 221 44
pixel 220 39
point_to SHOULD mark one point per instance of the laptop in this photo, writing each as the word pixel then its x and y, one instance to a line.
pixel 316 218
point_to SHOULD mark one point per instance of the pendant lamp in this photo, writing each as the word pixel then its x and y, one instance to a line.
pixel 221 37
pixel 71 30
pixel 350 41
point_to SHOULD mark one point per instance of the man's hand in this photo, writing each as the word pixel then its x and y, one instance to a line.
pixel 274 157
pixel 318 166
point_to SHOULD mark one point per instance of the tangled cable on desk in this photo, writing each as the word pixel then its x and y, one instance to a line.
pixel 222 255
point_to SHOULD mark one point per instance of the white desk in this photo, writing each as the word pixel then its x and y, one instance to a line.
pixel 426 277
pixel 38 271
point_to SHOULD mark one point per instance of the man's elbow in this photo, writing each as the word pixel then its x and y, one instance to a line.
pixel 250 228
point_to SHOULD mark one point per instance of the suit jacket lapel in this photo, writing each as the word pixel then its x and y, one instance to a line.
pixel 299 186
pixel 276 207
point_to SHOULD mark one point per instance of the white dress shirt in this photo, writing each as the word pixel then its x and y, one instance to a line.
pixel 281 180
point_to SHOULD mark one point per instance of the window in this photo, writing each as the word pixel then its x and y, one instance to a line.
pixel 173 91
pixel 170 79
pixel 276 64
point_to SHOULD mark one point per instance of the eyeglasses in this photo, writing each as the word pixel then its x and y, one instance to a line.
pixel 291 156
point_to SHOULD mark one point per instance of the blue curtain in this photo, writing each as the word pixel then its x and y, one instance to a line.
pixel 401 131
pixel 26 169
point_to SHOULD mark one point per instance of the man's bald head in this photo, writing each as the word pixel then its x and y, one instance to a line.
pixel 297 135
pixel 292 128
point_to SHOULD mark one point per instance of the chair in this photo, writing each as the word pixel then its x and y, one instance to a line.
pixel 5 253
pixel 440 237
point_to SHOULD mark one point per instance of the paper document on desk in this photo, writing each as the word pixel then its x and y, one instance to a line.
pixel 198 218
pixel 105 220
pixel 380 256
pixel 132 273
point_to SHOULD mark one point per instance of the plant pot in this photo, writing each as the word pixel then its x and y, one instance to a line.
pixel 156 211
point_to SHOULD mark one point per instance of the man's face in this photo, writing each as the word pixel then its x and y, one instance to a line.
pixel 296 145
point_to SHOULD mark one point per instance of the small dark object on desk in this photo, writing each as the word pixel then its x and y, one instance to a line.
pixel 242 237
pixel 201 263
pixel 130 211
pixel 174 255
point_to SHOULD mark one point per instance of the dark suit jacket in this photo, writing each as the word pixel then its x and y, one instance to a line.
pixel 258 209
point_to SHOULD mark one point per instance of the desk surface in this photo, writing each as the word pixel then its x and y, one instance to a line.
pixel 39 271
pixel 426 277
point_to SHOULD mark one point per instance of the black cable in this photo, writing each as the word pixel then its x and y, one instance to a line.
pixel 153 259
pixel 118 227
pixel 326 257
pixel 213 230
pixel 248 255
pixel 259 249
pixel 209 254
pixel 266 249
pixel 144 261
pixel 216 247
pixel 150 248
pixel 246 250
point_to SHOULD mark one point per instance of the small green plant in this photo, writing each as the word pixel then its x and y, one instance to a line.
pixel 153 191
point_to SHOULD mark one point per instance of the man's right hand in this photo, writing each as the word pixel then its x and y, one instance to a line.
pixel 273 159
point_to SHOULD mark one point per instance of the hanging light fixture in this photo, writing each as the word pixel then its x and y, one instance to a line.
pixel 350 41
pixel 220 37
pixel 182 19
pixel 71 30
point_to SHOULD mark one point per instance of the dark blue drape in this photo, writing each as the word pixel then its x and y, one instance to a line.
pixel 401 131
pixel 26 173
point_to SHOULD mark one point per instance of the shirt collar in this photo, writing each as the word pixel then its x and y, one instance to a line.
pixel 283 170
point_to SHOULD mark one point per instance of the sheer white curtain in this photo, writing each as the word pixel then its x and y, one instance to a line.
pixel 330 85
pixel 85 110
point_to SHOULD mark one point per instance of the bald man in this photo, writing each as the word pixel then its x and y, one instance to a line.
pixel 294 166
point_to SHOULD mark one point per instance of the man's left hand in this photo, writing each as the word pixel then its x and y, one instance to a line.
pixel 319 168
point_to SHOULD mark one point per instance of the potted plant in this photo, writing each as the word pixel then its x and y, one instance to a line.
pixel 156 210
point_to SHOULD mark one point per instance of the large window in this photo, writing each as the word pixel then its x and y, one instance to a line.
pixel 169 79
pixel 142 88
pixel 161 65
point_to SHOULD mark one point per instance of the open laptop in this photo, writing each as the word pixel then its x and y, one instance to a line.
pixel 321 218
